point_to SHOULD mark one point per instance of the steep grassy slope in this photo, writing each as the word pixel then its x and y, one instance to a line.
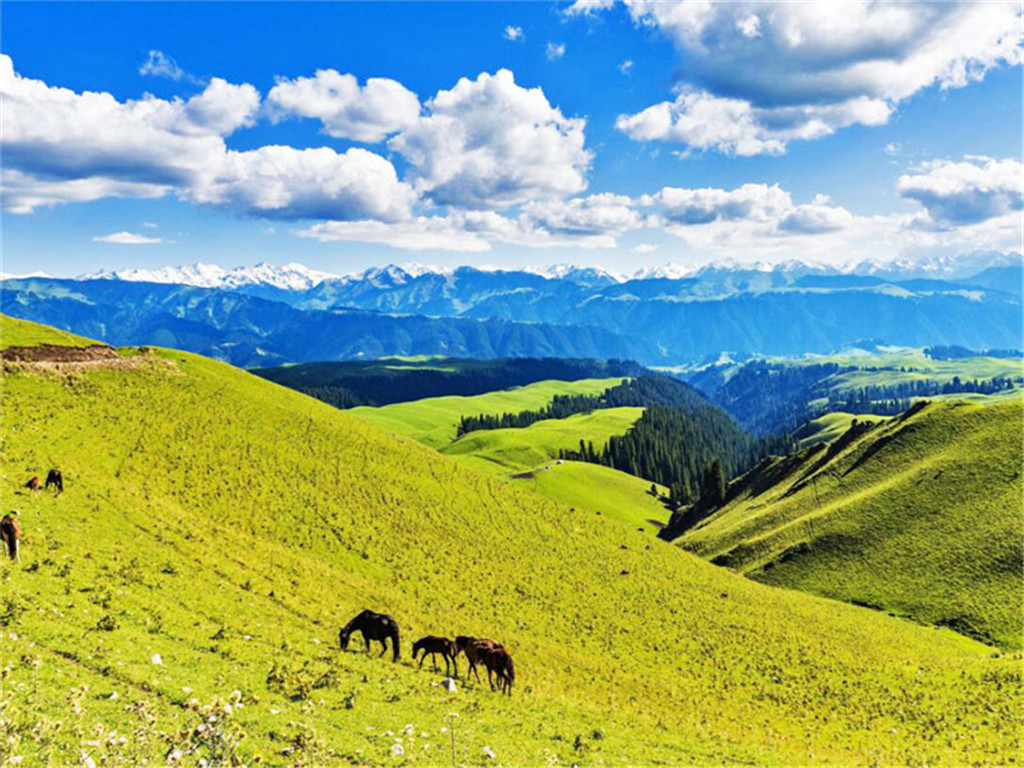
pixel 19 333
pixel 827 428
pixel 517 449
pixel 434 421
pixel 919 516
pixel 216 529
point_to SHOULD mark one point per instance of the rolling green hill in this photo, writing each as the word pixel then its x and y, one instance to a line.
pixel 20 333
pixel 518 449
pixel 827 428
pixel 216 530
pixel 434 421
pixel 919 515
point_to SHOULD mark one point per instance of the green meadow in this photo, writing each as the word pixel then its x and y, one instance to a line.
pixel 22 333
pixel 434 421
pixel 920 516
pixel 180 602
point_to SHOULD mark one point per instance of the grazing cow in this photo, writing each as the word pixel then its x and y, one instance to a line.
pixel 374 626
pixel 474 648
pixel 10 534
pixel 499 661
pixel 34 484
pixel 55 478
pixel 432 645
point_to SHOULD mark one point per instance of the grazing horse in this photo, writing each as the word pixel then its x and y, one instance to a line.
pixel 499 661
pixel 10 534
pixel 374 626
pixel 432 645
pixel 55 478
pixel 34 484
pixel 475 648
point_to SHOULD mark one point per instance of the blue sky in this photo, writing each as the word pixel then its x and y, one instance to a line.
pixel 659 134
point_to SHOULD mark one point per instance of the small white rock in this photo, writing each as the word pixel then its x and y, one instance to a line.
pixel 396 749
pixel 112 695
pixel 489 753
pixel 157 659
pixel 449 685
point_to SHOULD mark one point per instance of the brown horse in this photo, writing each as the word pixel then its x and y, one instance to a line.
pixel 10 535
pixel 432 645
pixel 34 484
pixel 475 648
pixel 374 626
pixel 499 661
pixel 55 478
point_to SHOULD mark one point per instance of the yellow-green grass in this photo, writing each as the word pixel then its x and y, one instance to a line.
pixel 434 421
pixel 21 333
pixel 230 526
pixel 595 488
pixel 828 427
pixel 919 516
pixel 518 449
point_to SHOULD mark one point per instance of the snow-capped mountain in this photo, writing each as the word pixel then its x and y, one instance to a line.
pixel 27 275
pixel 290 277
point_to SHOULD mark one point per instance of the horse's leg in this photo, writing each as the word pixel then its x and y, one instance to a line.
pixel 472 667
pixel 367 639
pixel 383 647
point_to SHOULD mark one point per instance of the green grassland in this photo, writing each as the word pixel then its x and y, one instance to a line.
pixel 230 526
pixel 920 516
pixel 21 333
pixel 518 449
pixel 434 421
pixel 827 428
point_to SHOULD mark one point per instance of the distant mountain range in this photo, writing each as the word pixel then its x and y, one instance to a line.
pixel 264 315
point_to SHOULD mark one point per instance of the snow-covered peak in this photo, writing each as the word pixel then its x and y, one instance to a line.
pixel 290 277
pixel 9 276
pixel 577 274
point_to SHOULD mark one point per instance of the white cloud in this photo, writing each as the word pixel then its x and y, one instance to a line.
pixel 792 71
pixel 586 7
pixel 489 143
pixel 514 34
pixel 893 148
pixel 368 114
pixel 971 191
pixel 126 238
pixel 150 225
pixel 159 64
pixel 645 248
pixel 626 67
pixel 554 51
pixel 62 146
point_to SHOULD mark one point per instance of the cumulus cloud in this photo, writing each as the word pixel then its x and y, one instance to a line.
pixel 586 7
pixel 626 67
pixel 62 146
pixel 514 34
pixel 126 238
pixel 554 51
pixel 489 143
pixel 971 191
pixel 797 71
pixel 751 202
pixel 368 113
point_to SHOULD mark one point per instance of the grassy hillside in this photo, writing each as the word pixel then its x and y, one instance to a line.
pixel 434 421
pixel 827 428
pixel 20 333
pixel 920 516
pixel 517 449
pixel 216 530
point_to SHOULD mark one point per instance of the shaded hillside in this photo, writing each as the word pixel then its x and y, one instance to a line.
pixel 249 331
pixel 920 515
pixel 216 529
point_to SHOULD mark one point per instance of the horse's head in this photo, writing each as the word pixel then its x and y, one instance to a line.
pixel 343 637
pixel 461 642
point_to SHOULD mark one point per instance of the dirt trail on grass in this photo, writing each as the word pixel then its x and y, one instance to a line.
pixel 53 353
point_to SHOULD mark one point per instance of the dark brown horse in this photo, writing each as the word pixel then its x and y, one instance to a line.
pixel 432 645
pixel 55 478
pixel 374 626
pixel 34 484
pixel 10 535
pixel 499 661
pixel 475 648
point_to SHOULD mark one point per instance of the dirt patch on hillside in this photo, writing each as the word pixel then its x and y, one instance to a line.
pixel 53 353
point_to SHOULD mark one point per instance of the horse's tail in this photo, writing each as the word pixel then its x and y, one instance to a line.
pixel 394 642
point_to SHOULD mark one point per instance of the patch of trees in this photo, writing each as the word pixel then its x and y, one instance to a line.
pixel 693 451
pixel 956 352
pixel 381 382
pixel 891 399
pixel 640 392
